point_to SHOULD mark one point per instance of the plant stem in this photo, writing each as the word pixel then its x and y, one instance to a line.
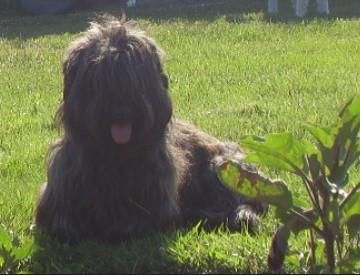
pixel 313 249
pixel 307 221
pixel 309 185
pixel 353 191
pixel 312 194
pixel 330 250
pixel 339 248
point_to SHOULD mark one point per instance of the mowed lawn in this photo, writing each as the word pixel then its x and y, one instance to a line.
pixel 233 72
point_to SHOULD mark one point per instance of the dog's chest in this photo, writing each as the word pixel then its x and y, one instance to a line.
pixel 130 186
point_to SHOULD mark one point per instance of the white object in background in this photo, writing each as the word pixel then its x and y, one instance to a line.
pixel 301 7
pixel 131 3
pixel 273 6
pixel 323 6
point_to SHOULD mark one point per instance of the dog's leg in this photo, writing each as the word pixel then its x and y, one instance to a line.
pixel 243 211
pixel 204 197
pixel 50 219
pixel 54 209
pixel 201 195
pixel 216 204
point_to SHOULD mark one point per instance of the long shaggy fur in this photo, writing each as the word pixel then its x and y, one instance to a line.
pixel 162 174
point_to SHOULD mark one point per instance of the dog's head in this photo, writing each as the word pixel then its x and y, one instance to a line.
pixel 115 88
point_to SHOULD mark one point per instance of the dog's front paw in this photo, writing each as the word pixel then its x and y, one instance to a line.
pixel 243 218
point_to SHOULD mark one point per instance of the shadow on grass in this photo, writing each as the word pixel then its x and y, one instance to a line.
pixel 17 25
pixel 166 253
pixel 20 25
pixel 141 256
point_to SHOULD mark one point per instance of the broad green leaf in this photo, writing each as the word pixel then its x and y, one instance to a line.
pixel 252 184
pixel 325 136
pixel 353 153
pixel 340 146
pixel 5 239
pixel 263 159
pixel 279 246
pixel 277 150
pixel 24 251
pixel 301 199
pixel 352 206
pixel 347 146
pixel 260 154
pixel 351 109
pixel 314 166
pixel 345 151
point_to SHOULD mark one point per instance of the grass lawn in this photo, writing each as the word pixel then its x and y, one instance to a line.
pixel 233 72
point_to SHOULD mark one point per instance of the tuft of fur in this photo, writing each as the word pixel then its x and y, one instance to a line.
pixel 164 174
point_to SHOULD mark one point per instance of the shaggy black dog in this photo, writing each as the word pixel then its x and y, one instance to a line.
pixel 125 166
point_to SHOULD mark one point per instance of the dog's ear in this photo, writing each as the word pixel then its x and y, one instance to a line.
pixel 74 113
pixel 69 72
pixel 71 66
pixel 165 113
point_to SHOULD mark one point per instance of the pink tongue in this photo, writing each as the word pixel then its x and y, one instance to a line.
pixel 121 132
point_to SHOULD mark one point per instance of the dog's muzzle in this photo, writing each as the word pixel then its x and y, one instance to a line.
pixel 121 132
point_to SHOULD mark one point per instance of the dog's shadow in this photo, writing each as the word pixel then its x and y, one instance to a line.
pixel 157 253
pixel 138 256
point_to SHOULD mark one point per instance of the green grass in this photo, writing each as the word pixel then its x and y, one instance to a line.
pixel 233 72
